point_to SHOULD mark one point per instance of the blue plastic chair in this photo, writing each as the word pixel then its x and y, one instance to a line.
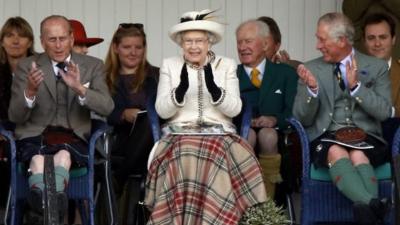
pixel 242 121
pixel 321 201
pixel 80 187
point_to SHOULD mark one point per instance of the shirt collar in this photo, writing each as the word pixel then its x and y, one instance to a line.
pixel 54 63
pixel 345 60
pixel 260 67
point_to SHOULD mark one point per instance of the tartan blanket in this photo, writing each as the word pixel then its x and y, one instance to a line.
pixel 195 179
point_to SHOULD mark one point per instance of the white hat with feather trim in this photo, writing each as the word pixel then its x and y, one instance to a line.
pixel 197 21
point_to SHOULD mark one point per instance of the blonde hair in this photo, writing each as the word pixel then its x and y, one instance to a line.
pixel 112 63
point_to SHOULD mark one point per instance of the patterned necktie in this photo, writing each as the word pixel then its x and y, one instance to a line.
pixel 254 77
pixel 61 66
pixel 339 76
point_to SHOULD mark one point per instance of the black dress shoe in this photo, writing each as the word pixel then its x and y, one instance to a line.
pixel 62 205
pixel 363 214
pixel 34 218
pixel 35 200
pixel 380 207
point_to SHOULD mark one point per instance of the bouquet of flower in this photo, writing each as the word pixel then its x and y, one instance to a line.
pixel 266 213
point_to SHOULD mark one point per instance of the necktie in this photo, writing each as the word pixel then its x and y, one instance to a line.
pixel 61 66
pixel 339 76
pixel 254 77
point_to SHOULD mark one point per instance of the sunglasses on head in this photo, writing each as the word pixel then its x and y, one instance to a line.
pixel 130 25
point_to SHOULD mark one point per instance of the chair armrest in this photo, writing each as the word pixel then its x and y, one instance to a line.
pixel 246 120
pixel 153 117
pixel 396 143
pixel 99 129
pixel 10 138
pixel 305 145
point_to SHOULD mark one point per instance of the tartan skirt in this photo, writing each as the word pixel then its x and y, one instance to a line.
pixel 196 179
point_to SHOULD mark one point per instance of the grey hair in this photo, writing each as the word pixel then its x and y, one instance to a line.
pixel 54 17
pixel 339 26
pixel 262 28
pixel 210 36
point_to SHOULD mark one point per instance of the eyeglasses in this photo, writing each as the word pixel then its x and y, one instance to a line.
pixel 130 25
pixel 190 42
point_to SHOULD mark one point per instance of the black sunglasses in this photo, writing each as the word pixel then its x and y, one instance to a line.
pixel 130 25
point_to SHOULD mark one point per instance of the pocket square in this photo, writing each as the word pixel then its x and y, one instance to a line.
pixel 86 85
pixel 278 91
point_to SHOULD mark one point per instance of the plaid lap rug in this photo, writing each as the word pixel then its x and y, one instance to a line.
pixel 203 180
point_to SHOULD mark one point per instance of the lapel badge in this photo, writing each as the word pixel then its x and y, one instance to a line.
pixel 363 72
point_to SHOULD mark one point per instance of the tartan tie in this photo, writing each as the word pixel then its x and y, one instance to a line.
pixel 254 77
pixel 339 76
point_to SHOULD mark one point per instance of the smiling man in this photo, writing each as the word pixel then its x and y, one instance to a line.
pixel 52 96
pixel 379 39
pixel 270 89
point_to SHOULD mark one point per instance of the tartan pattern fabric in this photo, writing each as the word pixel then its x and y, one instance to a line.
pixel 202 180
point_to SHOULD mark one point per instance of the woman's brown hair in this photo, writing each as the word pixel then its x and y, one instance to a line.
pixel 23 29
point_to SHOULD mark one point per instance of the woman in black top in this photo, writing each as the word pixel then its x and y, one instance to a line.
pixel 16 37
pixel 131 80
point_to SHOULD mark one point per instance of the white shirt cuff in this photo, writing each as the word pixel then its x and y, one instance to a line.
pixel 29 102
pixel 393 112
pixel 353 92
pixel 81 100
pixel 312 93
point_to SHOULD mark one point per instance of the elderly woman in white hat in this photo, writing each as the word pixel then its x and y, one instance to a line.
pixel 201 171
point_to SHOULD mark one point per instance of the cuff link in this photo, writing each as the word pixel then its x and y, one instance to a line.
pixel 318 148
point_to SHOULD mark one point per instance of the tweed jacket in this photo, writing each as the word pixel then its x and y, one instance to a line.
pixel 370 105
pixel 32 121
pixel 394 72
pixel 276 93
pixel 197 104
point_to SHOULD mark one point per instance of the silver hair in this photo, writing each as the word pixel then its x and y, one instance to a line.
pixel 262 28
pixel 339 26
pixel 210 36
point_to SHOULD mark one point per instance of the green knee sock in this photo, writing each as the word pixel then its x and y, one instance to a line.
pixel 367 174
pixel 62 178
pixel 36 181
pixel 348 181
